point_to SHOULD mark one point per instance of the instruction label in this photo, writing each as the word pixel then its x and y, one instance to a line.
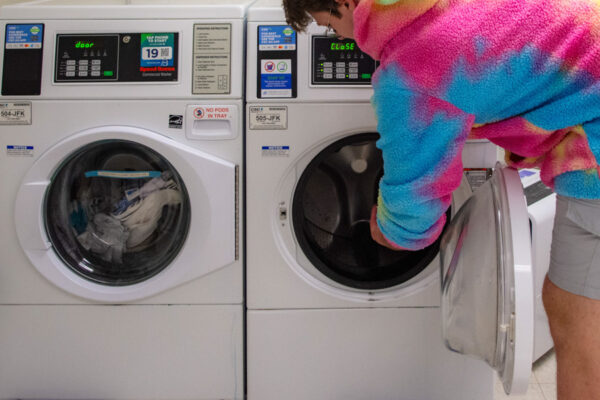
pixel 276 38
pixel 268 118
pixel 15 113
pixel 157 50
pixel 212 112
pixel 275 151
pixel 19 151
pixel 24 36
pixel 276 78
pixel 212 59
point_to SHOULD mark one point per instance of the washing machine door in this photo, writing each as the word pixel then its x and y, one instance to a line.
pixel 120 213
pixel 487 280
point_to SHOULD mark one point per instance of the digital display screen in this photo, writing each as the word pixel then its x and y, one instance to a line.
pixel 84 45
pixel 341 46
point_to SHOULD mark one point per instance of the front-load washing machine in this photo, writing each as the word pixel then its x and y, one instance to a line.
pixel 332 315
pixel 122 147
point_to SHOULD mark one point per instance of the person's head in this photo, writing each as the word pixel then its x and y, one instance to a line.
pixel 334 14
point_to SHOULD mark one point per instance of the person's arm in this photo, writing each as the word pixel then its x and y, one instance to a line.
pixel 422 138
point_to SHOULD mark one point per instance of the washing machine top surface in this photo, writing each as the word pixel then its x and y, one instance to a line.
pixel 139 49
pixel 127 9
pixel 266 10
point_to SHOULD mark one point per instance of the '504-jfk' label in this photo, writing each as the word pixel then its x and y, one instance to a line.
pixel 17 113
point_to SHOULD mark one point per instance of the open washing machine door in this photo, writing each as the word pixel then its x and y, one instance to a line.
pixel 487 280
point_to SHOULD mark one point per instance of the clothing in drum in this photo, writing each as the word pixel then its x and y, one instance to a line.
pixel 117 213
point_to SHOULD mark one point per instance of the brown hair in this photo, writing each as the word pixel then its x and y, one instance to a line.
pixel 297 11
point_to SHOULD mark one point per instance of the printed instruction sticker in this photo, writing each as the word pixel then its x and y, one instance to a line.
pixel 276 38
pixel 212 59
pixel 212 112
pixel 19 151
pixel 24 36
pixel 276 78
pixel 17 113
pixel 157 50
pixel 268 117
pixel 275 151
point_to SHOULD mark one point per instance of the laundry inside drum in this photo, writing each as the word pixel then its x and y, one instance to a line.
pixel 331 213
pixel 117 212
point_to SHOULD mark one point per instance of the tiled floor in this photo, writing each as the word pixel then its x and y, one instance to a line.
pixel 542 384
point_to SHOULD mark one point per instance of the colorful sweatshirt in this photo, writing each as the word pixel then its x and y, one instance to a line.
pixel 524 74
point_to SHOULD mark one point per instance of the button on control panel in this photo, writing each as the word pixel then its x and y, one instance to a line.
pixel 340 62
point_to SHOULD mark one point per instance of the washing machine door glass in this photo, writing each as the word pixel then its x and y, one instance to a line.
pixel 331 211
pixel 117 212
pixel 487 280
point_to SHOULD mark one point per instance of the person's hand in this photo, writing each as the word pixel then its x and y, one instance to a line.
pixel 377 235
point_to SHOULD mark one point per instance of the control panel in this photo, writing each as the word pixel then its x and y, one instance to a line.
pixel 340 62
pixel 117 57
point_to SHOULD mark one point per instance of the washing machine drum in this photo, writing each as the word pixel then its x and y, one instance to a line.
pixel 331 212
pixel 117 213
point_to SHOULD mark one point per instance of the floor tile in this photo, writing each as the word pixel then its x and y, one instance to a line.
pixel 549 390
pixel 534 392
pixel 545 369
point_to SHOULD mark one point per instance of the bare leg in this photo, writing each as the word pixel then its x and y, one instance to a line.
pixel 575 328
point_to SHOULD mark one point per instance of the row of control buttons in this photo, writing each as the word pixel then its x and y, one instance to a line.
pixel 84 62
pixel 340 70
pixel 83 67
pixel 70 74
pixel 340 76
pixel 329 64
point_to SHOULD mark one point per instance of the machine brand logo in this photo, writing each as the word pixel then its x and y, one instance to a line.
pixel 175 121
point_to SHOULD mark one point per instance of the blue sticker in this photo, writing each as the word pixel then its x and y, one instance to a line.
pixel 19 151
pixel 24 36
pixel 276 38
pixel 276 78
pixel 157 50
pixel 275 151
pixel 276 81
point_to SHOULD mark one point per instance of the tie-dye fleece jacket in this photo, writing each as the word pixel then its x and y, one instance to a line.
pixel 524 74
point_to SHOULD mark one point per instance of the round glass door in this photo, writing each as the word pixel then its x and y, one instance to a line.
pixel 331 211
pixel 117 213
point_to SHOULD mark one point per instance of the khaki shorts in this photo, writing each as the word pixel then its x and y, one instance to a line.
pixel 575 254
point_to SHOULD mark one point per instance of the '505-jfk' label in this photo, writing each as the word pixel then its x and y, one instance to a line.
pixel 268 117
pixel 17 113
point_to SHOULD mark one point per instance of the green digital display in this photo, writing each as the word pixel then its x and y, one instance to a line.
pixel 84 45
pixel 340 46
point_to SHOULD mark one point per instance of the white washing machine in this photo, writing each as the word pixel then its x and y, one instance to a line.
pixel 331 315
pixel 541 207
pixel 122 147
